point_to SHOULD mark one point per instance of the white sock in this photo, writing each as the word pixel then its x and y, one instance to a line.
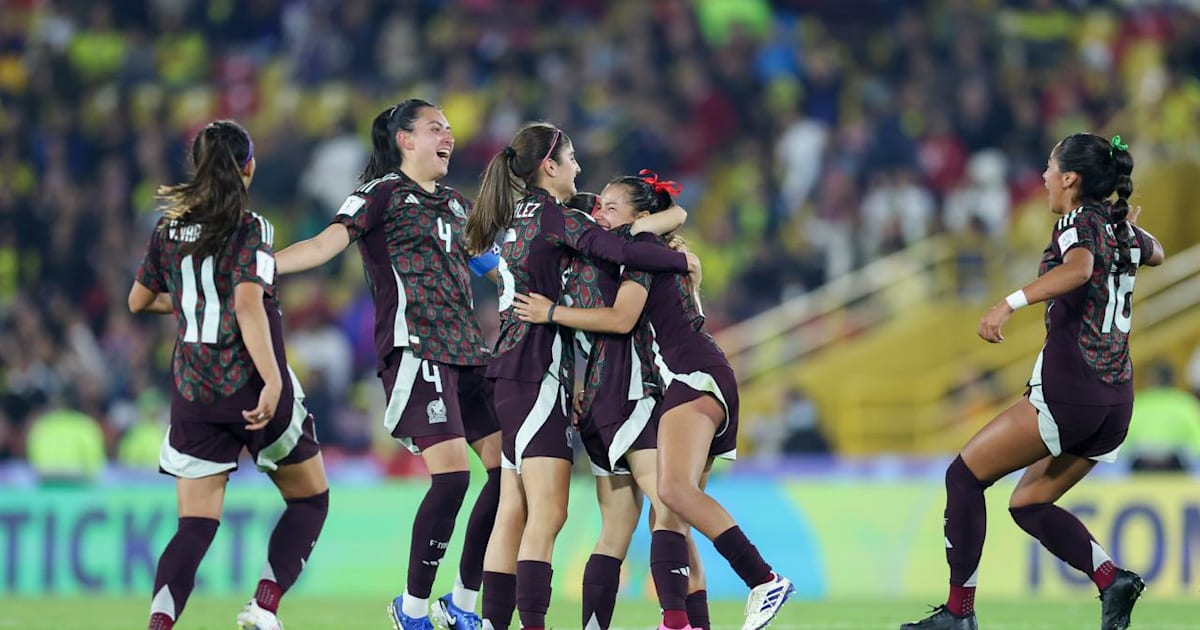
pixel 414 607
pixel 463 597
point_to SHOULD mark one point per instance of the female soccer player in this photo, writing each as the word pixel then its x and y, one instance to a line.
pixel 621 437
pixel 210 263
pixel 520 198
pixel 1076 410
pixel 429 344
pixel 699 421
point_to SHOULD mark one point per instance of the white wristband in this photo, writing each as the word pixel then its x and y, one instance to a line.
pixel 1017 300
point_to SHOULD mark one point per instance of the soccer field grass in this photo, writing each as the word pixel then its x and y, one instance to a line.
pixel 346 614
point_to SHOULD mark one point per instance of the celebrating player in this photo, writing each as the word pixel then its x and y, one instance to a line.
pixel 429 344
pixel 520 199
pixel 699 422
pixel 210 263
pixel 1080 397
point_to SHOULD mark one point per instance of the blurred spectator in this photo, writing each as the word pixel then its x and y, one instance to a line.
pixel 802 430
pixel 1164 433
pixel 64 445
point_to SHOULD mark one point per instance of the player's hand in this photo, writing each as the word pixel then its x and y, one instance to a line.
pixel 577 404
pixel 678 243
pixel 989 326
pixel 1132 217
pixel 261 415
pixel 533 308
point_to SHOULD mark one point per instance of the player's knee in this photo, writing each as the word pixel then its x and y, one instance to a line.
pixel 451 487
pixel 548 519
pixel 674 493
pixel 960 477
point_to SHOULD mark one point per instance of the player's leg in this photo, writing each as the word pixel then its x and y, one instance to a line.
pixel 697 597
pixel 500 558
pixel 305 490
pixel 1009 442
pixel 620 508
pixel 457 608
pixel 200 501
pixel 547 481
pixel 685 436
pixel 669 564
pixel 1065 536
pixel 446 458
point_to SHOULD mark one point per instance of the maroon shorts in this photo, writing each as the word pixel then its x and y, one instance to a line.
pixel 1091 431
pixel 205 439
pixel 607 443
pixel 534 420
pixel 719 382
pixel 475 401
pixel 422 399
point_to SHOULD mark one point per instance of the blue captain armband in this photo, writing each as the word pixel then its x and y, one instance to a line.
pixel 484 263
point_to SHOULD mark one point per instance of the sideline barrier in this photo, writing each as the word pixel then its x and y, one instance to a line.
pixel 853 538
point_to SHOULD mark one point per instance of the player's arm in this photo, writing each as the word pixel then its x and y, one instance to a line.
pixel 618 319
pixel 1075 270
pixel 144 300
pixel 660 223
pixel 313 252
pixel 256 334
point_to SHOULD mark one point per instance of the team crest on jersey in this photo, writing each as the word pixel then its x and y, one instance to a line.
pixel 436 411
pixel 458 209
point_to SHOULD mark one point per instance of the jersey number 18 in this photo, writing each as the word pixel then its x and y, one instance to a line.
pixel 1119 310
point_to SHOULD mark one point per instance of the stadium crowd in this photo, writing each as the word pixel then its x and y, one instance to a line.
pixel 810 137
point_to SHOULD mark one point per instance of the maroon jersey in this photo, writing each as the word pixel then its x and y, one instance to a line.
pixel 680 343
pixel 536 249
pixel 416 263
pixel 619 367
pixel 1086 356
pixel 211 361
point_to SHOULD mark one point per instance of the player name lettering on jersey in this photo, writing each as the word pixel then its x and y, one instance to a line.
pixel 188 233
pixel 527 209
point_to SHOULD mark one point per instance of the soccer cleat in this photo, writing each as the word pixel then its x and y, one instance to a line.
pixel 765 601
pixel 444 614
pixel 1117 600
pixel 253 617
pixel 943 619
pixel 401 621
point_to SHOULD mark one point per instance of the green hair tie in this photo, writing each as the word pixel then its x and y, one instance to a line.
pixel 1117 144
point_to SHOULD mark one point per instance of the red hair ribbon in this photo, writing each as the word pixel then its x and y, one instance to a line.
pixel 650 177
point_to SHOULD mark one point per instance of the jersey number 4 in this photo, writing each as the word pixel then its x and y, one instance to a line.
pixel 445 233
pixel 201 325
pixel 1119 310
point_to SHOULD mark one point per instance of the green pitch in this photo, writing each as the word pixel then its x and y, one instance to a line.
pixel 345 614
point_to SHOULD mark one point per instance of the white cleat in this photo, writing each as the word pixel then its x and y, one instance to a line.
pixel 765 601
pixel 254 618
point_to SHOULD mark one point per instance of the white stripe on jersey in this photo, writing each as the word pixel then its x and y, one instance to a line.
pixel 212 303
pixel 366 188
pixel 399 324
pixel 1069 218
pixel 188 300
pixel 266 230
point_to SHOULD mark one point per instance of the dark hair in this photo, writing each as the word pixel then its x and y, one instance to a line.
pixel 583 202
pixel 215 197
pixel 508 176
pixel 644 196
pixel 1104 167
pixel 385 154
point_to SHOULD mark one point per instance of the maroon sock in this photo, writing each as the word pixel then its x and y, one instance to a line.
pixel 432 527
pixel 499 598
pixel 743 557
pixel 1067 538
pixel 176 573
pixel 697 610
pixel 533 592
pixel 601 581
pixel 291 542
pixel 479 529
pixel 965 528
pixel 670 569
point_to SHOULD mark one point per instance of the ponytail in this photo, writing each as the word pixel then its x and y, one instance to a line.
pixel 215 197
pixel 508 176
pixel 385 153
pixel 1122 170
